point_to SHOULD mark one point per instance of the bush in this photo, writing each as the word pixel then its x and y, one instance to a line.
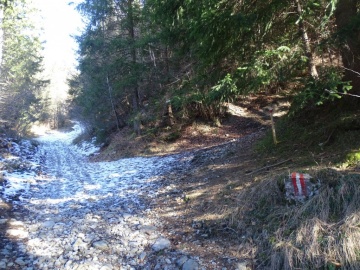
pixel 316 92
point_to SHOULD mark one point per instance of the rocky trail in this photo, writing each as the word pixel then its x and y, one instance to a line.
pixel 60 211
pixel 63 207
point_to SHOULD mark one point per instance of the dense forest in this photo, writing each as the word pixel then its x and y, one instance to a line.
pixel 148 64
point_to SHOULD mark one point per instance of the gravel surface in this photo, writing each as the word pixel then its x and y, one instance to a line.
pixel 69 213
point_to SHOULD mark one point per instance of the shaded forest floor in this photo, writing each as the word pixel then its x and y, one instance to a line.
pixel 248 116
pixel 223 204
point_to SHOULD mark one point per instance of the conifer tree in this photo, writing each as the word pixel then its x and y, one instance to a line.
pixel 21 65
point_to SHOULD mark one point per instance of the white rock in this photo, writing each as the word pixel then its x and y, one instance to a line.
pixel 19 233
pixel 190 265
pixel 142 256
pixel 2 264
pixel 161 244
pixel 20 261
pixel 3 221
pixel 148 229
pixel 106 267
pixel 241 266
pixel 14 222
pixel 102 245
pixel 48 224
pixel 57 264
pixel 79 243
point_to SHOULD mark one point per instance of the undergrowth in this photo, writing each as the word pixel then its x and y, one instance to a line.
pixel 321 233
pixel 321 138
pixel 324 231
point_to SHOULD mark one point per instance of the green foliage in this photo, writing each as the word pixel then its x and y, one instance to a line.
pixel 20 67
pixel 318 91
pixel 200 54
pixel 269 68
pixel 110 76
pixel 352 159
pixel 224 91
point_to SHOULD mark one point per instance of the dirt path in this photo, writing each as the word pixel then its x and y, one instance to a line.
pixel 197 201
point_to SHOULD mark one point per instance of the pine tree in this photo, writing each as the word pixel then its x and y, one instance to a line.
pixel 20 67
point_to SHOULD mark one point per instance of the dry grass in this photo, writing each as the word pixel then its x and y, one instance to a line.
pixel 322 233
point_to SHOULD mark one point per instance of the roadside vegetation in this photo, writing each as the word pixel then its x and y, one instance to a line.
pixel 321 232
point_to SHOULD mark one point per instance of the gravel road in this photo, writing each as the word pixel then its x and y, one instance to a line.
pixel 69 213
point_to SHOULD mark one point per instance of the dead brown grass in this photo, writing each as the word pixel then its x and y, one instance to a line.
pixel 321 233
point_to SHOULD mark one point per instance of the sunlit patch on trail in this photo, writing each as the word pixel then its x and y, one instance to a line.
pixel 39 129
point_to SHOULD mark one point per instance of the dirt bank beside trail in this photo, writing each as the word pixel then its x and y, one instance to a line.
pixel 247 117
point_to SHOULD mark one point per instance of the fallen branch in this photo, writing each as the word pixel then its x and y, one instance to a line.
pixel 269 166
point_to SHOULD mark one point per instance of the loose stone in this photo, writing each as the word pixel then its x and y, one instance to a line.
pixel 181 261
pixel 142 256
pixel 190 265
pixel 86 216
pixel 20 261
pixel 102 245
pixel 2 264
pixel 160 244
pixel 241 266
pixel 3 221
pixel 18 233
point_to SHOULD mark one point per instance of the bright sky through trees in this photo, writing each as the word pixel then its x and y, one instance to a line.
pixel 60 21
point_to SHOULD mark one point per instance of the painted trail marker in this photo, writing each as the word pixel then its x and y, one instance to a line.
pixel 299 183
pixel 300 186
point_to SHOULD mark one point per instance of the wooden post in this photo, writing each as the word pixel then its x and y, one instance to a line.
pixel 273 127
pixel 271 110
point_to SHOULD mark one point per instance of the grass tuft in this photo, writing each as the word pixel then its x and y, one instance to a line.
pixel 321 233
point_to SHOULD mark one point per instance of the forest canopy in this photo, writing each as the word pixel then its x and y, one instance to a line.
pixel 141 60
pixel 148 64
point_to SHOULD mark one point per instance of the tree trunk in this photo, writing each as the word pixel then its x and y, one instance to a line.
pixel 307 45
pixel 346 11
pixel 168 116
pixel 136 97
pixel 112 102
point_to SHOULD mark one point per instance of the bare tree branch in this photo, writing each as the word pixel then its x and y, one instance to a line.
pixel 347 94
pixel 351 70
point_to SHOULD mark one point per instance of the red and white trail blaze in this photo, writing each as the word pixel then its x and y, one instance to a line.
pixel 299 183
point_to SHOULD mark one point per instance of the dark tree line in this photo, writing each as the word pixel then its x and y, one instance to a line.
pixel 151 63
